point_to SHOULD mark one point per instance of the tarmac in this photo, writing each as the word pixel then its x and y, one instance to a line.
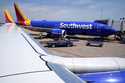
pixel 111 48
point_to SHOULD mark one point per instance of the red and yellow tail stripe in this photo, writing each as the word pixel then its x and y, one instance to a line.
pixel 8 17
pixel 21 18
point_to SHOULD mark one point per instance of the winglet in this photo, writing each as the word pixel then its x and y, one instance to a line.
pixel 8 17
pixel 21 18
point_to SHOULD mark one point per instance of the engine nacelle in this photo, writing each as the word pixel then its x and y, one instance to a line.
pixel 56 33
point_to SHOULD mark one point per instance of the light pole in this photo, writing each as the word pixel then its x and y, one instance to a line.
pixel 122 20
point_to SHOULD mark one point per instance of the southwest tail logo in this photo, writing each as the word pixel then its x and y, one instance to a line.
pixel 8 17
pixel 21 18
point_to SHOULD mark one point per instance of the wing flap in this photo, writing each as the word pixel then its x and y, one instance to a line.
pixel 66 75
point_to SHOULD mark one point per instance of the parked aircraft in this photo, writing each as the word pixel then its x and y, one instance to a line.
pixel 63 28
pixel 23 60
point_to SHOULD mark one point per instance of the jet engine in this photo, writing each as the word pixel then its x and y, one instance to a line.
pixel 57 33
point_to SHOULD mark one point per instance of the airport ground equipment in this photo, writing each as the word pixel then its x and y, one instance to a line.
pixel 60 43
pixel 97 42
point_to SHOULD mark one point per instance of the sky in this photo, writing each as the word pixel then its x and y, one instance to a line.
pixel 67 10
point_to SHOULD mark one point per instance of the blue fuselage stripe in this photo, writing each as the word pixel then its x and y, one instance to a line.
pixel 71 28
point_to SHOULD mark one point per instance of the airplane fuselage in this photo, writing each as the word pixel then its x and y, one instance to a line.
pixel 68 27
pixel 72 28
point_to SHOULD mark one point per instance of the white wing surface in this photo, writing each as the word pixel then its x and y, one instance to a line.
pixel 20 60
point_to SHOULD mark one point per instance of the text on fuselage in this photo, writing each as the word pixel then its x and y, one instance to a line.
pixel 75 26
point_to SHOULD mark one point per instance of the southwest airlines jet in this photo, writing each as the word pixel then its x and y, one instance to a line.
pixel 62 28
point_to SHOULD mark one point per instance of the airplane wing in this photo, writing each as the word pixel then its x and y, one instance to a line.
pixel 20 60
